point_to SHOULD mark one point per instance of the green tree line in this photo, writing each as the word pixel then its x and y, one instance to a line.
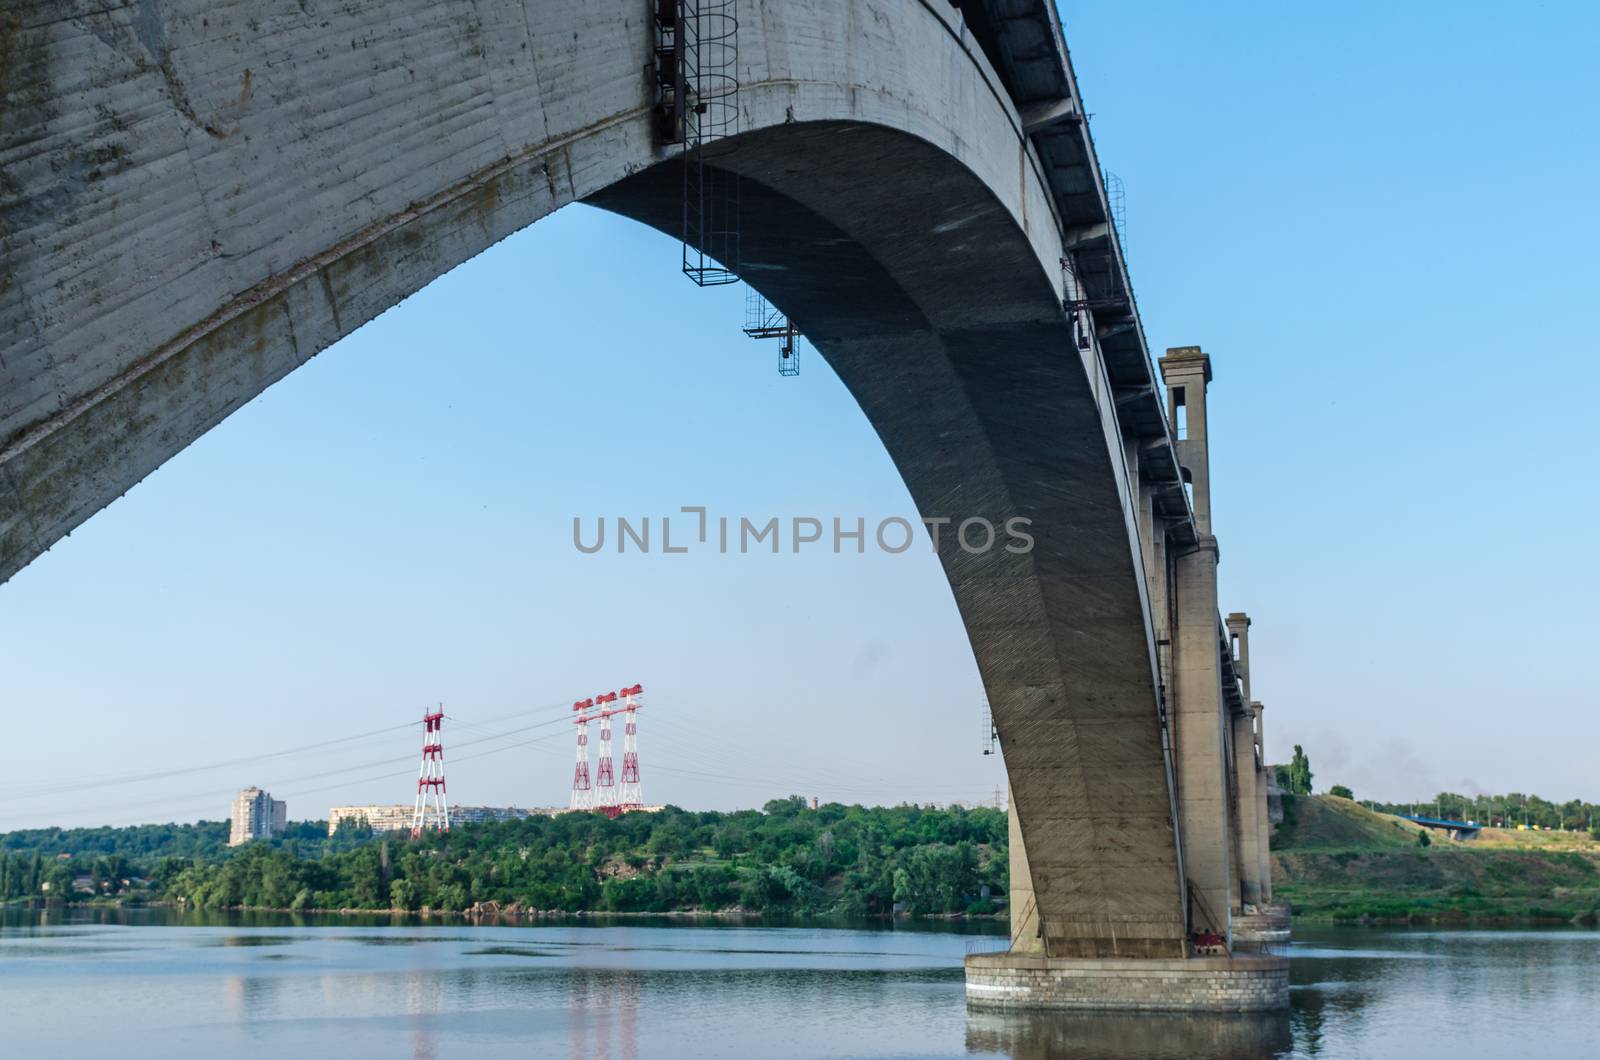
pixel 148 843
pixel 140 842
pixel 1502 811
pixel 786 857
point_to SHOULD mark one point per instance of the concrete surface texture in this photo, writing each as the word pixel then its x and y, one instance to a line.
pixel 1266 925
pixel 198 197
pixel 1240 983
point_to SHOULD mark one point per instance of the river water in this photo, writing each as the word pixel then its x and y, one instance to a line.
pixel 136 985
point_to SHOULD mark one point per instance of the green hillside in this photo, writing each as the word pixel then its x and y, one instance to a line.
pixel 1323 822
pixel 1334 859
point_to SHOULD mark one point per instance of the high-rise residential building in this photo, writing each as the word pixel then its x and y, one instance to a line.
pixel 256 815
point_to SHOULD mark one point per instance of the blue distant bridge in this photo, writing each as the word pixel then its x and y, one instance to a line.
pixel 1457 829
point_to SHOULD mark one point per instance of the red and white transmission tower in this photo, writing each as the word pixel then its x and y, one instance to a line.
pixel 582 797
pixel 606 797
pixel 631 797
pixel 605 780
pixel 431 800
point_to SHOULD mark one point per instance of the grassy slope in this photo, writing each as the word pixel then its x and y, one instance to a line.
pixel 1333 858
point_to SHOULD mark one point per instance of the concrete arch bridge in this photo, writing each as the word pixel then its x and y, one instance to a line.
pixel 197 197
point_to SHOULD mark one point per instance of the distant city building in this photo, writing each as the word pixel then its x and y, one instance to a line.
pixel 256 815
pixel 398 818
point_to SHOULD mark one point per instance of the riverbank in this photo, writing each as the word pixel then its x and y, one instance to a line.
pixel 1335 861
pixel 787 858
pixel 490 913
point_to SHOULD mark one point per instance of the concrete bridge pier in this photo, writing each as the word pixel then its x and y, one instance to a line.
pixel 1263 822
pixel 1245 768
pixel 1243 748
pixel 1262 922
pixel 1257 922
pixel 1201 726
pixel 1027 937
pixel 1217 781
pixel 1201 738
pixel 1029 977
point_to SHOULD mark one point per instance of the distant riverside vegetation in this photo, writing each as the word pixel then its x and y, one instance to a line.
pixel 1503 811
pixel 1333 859
pixel 786 857
pixel 1498 811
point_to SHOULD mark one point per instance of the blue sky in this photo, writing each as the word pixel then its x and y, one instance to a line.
pixel 1380 223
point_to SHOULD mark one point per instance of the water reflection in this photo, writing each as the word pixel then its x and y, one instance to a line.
pixel 603 1005
pixel 422 1042
pixel 1146 1035
pixel 421 1005
pixel 628 1015
pixel 248 997
pixel 578 1015
pixel 154 985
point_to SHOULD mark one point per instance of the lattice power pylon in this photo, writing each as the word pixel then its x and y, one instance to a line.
pixel 605 779
pixel 582 795
pixel 433 806
pixel 631 797
pixel 607 796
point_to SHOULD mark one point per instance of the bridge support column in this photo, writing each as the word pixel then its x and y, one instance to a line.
pixel 1024 978
pixel 1200 727
pixel 1026 937
pixel 1263 822
pixel 1246 851
pixel 1270 922
pixel 1220 845
pixel 1247 854
pixel 1200 743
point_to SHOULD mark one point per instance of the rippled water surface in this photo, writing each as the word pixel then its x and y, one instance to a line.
pixel 155 986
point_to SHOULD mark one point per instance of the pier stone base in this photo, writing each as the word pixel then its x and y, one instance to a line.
pixel 1240 983
pixel 1263 925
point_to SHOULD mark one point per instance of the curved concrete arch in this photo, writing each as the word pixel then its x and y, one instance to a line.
pixel 206 197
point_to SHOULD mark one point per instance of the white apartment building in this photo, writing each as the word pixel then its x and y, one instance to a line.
pixel 256 815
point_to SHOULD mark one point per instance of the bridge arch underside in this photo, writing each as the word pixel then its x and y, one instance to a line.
pixel 931 306
pixel 889 206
